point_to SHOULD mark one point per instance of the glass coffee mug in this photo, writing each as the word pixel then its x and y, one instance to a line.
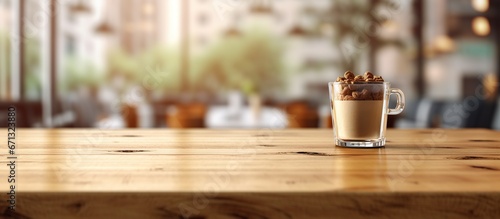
pixel 359 112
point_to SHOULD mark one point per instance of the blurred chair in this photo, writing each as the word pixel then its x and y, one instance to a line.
pixel 453 115
pixel 483 116
pixel 130 115
pixel 456 115
pixel 28 113
pixel 423 113
pixel 326 121
pixel 159 111
pixel 325 114
pixel 301 115
pixel 480 110
pixel 190 115
pixel 496 117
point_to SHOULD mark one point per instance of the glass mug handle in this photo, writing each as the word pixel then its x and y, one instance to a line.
pixel 400 103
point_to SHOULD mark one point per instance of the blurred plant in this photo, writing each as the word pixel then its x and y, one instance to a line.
pixel 5 55
pixel 164 64
pixel 121 64
pixel 158 63
pixel 32 80
pixel 353 26
pixel 250 62
pixel 79 73
pixel 32 83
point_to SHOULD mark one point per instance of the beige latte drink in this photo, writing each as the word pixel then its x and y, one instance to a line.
pixel 358 119
pixel 359 107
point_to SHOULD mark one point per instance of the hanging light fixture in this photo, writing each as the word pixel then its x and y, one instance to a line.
pixel 104 27
pixel 297 31
pixel 260 8
pixel 481 26
pixel 481 5
pixel 80 8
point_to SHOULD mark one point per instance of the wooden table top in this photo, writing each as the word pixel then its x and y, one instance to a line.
pixel 296 173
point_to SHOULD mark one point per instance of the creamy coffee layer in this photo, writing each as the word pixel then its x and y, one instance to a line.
pixel 358 120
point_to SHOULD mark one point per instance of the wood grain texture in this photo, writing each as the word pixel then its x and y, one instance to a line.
pixel 159 173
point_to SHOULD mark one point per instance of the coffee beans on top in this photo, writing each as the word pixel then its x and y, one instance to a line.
pixel 360 87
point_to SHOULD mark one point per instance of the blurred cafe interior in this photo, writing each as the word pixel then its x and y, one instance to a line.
pixel 243 64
